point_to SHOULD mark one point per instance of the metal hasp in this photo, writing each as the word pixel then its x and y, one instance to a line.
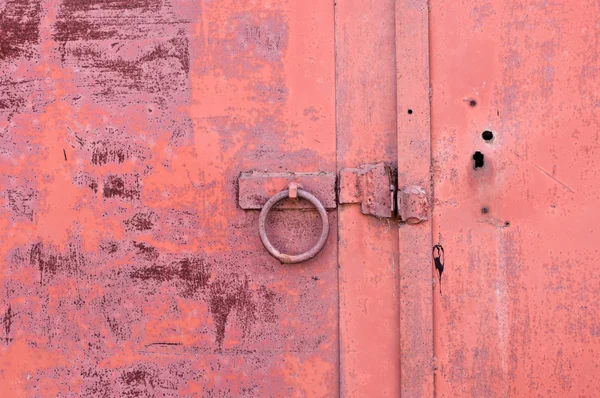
pixel 370 185
pixel 255 189
pixel 268 191
pixel 413 206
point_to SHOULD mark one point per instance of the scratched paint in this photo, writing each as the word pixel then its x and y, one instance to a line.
pixel 518 315
pixel 127 268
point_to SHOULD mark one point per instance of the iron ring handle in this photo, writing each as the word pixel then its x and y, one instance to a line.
pixel 291 192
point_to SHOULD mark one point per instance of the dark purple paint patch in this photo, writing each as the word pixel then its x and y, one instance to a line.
pixel 96 383
pixel 73 6
pixel 106 151
pixel 226 296
pixel 123 19
pixel 190 274
pixel 269 299
pixel 132 52
pixel 109 247
pixel 83 179
pixel 55 319
pixel 148 379
pixel 51 262
pixel 120 71
pixel 146 251
pixel 19 28
pixel 11 99
pixel 7 324
pixel 141 221
pixel 124 186
pixel 135 378
pixel 140 72
pixel 22 202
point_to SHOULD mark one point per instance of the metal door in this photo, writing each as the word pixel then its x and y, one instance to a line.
pixel 514 125
pixel 128 267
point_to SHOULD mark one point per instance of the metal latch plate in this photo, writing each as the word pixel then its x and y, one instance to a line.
pixel 255 188
pixel 371 186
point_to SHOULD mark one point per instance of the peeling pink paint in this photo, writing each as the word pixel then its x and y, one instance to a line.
pixel 127 268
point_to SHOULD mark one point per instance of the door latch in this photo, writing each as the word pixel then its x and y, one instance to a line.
pixel 373 186
pixel 370 185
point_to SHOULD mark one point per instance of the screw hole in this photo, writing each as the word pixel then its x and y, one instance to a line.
pixel 410 111
pixel 478 158
pixel 507 224
pixel 487 135
pixel 485 210
pixel 472 103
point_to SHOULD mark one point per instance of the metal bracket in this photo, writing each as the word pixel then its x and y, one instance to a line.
pixel 255 189
pixel 371 186
pixel 413 206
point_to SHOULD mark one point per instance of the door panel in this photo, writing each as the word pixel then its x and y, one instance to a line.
pixel 127 267
pixel 414 159
pixel 368 247
pixel 516 312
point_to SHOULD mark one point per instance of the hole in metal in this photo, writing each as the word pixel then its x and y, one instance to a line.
pixel 478 159
pixel 410 111
pixel 487 135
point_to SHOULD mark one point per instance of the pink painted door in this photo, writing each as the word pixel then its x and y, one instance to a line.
pixel 127 266
pixel 514 127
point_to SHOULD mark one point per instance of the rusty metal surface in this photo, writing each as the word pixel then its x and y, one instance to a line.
pixel 414 158
pixel 126 267
pixel 517 314
pixel 256 188
pixel 368 248
pixel 371 186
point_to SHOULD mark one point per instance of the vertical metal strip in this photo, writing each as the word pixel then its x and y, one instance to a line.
pixel 367 246
pixel 414 159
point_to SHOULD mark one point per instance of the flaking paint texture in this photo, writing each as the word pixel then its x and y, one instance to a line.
pixel 126 268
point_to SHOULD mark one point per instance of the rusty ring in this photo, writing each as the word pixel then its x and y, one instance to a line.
pixel 297 258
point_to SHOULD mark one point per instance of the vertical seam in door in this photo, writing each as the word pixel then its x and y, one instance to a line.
pixel 431 187
pixel 399 290
pixel 337 219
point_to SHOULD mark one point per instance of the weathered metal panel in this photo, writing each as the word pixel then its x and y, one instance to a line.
pixel 126 267
pixel 516 313
pixel 414 156
pixel 368 249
